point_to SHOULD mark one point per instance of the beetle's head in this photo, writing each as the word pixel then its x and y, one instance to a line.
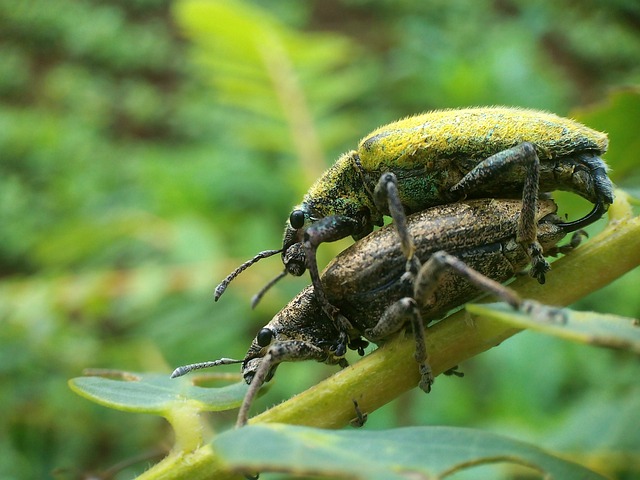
pixel 293 255
pixel 295 259
pixel 255 355
pixel 299 331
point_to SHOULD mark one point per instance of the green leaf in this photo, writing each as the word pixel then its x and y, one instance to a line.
pixel 178 400
pixel 585 327
pixel 155 393
pixel 415 452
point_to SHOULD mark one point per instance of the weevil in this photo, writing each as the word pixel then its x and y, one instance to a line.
pixel 373 282
pixel 440 157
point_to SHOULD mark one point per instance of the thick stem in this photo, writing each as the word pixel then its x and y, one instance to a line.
pixel 201 464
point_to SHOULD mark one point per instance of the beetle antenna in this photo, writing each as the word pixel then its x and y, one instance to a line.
pixel 180 371
pixel 258 296
pixel 225 283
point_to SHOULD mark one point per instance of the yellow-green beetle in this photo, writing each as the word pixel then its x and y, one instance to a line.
pixel 440 157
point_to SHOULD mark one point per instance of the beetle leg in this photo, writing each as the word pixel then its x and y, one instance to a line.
pixel 386 195
pixel 358 344
pixel 575 241
pixel 488 170
pixel 428 280
pixel 453 371
pixel 394 318
pixel 429 275
pixel 406 309
pixel 278 352
pixel 539 265
pixel 360 419
pixel 329 229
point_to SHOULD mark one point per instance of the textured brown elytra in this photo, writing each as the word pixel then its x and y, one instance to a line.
pixel 441 157
pixel 369 282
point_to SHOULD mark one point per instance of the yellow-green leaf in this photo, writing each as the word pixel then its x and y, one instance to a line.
pixel 586 327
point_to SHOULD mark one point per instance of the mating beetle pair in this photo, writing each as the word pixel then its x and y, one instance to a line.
pixel 464 248
pixel 432 159
pixel 441 157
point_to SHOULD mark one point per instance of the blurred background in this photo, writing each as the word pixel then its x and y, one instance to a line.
pixel 147 147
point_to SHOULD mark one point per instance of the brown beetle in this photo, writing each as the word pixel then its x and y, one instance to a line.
pixel 460 250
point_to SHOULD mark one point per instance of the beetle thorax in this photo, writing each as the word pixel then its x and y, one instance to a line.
pixel 340 191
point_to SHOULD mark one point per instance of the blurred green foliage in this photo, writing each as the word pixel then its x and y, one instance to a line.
pixel 147 147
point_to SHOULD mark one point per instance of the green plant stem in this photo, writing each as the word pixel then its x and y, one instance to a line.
pixel 189 428
pixel 201 464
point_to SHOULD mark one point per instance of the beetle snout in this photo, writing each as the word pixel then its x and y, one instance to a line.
pixel 248 377
pixel 251 367
pixel 295 260
pixel 603 185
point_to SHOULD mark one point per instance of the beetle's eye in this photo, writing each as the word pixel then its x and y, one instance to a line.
pixel 264 337
pixel 296 219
